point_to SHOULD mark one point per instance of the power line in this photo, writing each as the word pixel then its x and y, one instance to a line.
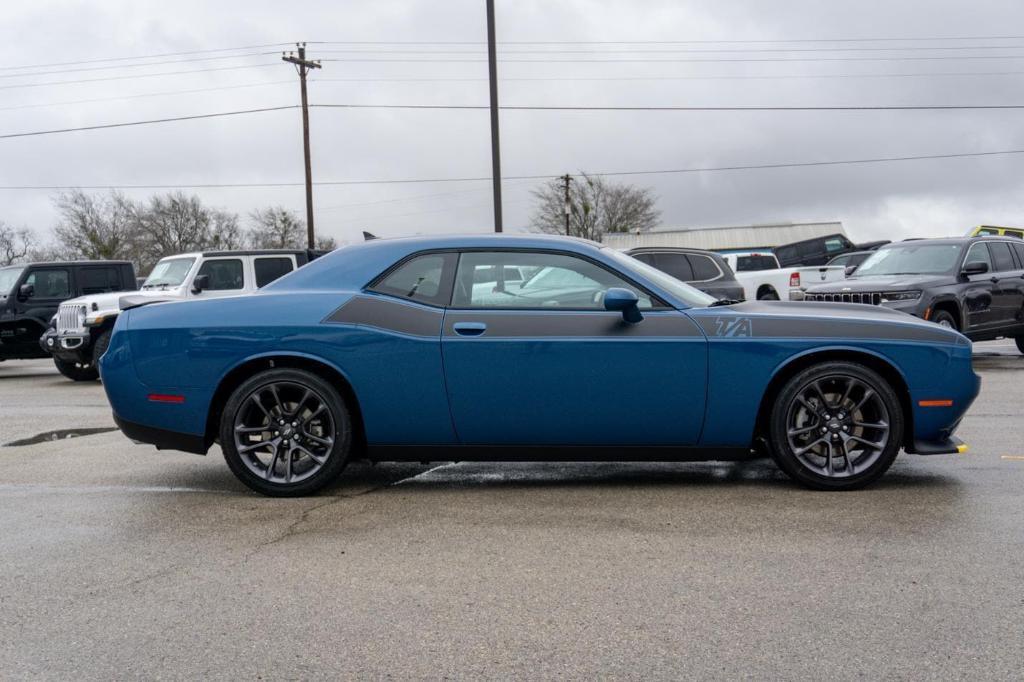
pixel 137 75
pixel 148 56
pixel 548 176
pixel 669 42
pixel 674 50
pixel 744 60
pixel 129 66
pixel 155 120
pixel 142 96
pixel 678 78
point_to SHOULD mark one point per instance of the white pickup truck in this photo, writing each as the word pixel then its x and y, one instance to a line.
pixel 762 279
pixel 83 325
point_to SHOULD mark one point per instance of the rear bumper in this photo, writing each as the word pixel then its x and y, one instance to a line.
pixel 162 439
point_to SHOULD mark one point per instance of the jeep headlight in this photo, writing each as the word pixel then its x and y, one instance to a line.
pixel 901 296
pixel 80 316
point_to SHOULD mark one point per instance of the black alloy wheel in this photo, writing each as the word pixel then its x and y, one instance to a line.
pixel 944 319
pixel 77 371
pixel 286 433
pixel 836 426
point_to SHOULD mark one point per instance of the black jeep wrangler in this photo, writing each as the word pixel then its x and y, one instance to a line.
pixel 30 295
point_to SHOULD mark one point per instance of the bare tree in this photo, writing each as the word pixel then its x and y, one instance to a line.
pixel 15 245
pixel 326 243
pixel 276 228
pixel 96 227
pixel 596 207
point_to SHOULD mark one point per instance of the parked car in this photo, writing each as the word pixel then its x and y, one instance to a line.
pixel 704 270
pixel 30 295
pixel 850 261
pixel 972 284
pixel 763 279
pixel 819 250
pixel 83 326
pixel 996 231
pixel 386 350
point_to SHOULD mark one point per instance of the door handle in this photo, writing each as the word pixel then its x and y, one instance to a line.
pixel 469 328
pixel 994 280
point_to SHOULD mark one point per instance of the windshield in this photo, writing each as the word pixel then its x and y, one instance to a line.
pixel 170 272
pixel 911 259
pixel 8 277
pixel 681 290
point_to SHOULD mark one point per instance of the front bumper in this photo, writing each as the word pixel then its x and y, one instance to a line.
pixel 74 347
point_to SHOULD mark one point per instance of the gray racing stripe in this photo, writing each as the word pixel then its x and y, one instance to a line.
pixel 389 314
pixel 802 327
pixel 515 324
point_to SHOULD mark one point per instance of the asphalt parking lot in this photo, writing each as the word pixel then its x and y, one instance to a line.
pixel 122 562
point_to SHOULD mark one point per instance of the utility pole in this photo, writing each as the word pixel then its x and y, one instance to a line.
pixel 568 207
pixel 303 66
pixel 492 62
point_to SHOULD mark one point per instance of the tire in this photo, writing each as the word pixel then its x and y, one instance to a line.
pixel 76 371
pixel 308 446
pixel 825 396
pixel 1020 343
pixel 768 295
pixel 944 319
pixel 100 347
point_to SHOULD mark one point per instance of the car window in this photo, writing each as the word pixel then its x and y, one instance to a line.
pixel 98 280
pixel 8 277
pixel 787 254
pixel 558 281
pixel 755 262
pixel 834 244
pixel 50 283
pixel 704 269
pixel 912 258
pixel 986 230
pixel 840 260
pixel 269 269
pixel 1001 256
pixel 1016 234
pixel 170 272
pixel 419 279
pixel 675 264
pixel 225 274
pixel 1019 248
pixel 978 253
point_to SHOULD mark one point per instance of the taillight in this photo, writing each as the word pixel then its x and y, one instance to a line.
pixel 794 279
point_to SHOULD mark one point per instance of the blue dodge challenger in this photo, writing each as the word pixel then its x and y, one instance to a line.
pixel 505 347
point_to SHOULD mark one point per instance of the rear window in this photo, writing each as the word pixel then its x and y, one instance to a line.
pixel 675 264
pixel 1019 248
pixel 1016 234
pixel 269 269
pixel 755 262
pixel 1001 258
pixel 98 280
pixel 419 279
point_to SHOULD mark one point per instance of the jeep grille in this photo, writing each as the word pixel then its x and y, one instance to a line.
pixel 868 297
pixel 69 318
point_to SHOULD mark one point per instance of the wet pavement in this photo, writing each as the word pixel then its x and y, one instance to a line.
pixel 119 561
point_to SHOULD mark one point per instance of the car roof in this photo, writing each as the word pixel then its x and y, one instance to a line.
pixel 68 263
pixel 952 240
pixel 673 249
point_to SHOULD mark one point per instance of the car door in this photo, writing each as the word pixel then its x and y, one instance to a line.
pixel 1005 278
pixel 979 311
pixel 226 277
pixel 49 287
pixel 543 363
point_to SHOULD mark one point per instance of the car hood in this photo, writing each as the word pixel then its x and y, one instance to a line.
pixel 110 300
pixel 881 283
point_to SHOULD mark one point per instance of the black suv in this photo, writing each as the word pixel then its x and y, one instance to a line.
pixel 704 270
pixel 30 294
pixel 972 284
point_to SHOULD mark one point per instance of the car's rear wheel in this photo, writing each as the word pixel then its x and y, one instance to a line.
pixel 944 319
pixel 77 371
pixel 836 426
pixel 1020 343
pixel 286 432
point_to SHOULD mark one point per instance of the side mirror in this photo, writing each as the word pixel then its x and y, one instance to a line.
pixel 199 283
pixel 975 267
pixel 850 269
pixel 624 301
pixel 26 291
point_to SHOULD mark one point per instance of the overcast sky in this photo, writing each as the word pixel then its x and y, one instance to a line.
pixel 889 200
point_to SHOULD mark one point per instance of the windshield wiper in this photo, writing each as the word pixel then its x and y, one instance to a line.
pixel 724 301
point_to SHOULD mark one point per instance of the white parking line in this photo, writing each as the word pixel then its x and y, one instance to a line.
pixel 45 489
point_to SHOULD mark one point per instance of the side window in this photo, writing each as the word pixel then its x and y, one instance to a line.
pixel 1019 248
pixel 986 230
pixel 704 269
pixel 786 254
pixel 93 280
pixel 420 279
pixel 50 284
pixel 1016 234
pixel 834 244
pixel 224 274
pixel 675 264
pixel 979 253
pixel 269 269
pixel 1001 256
pixel 555 281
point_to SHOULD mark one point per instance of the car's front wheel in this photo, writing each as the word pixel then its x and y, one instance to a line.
pixel 836 426
pixel 77 371
pixel 286 433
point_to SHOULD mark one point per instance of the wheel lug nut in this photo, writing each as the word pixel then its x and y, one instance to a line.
pixel 824 430
pixel 846 428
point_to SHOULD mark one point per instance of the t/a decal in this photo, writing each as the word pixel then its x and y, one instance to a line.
pixel 736 327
